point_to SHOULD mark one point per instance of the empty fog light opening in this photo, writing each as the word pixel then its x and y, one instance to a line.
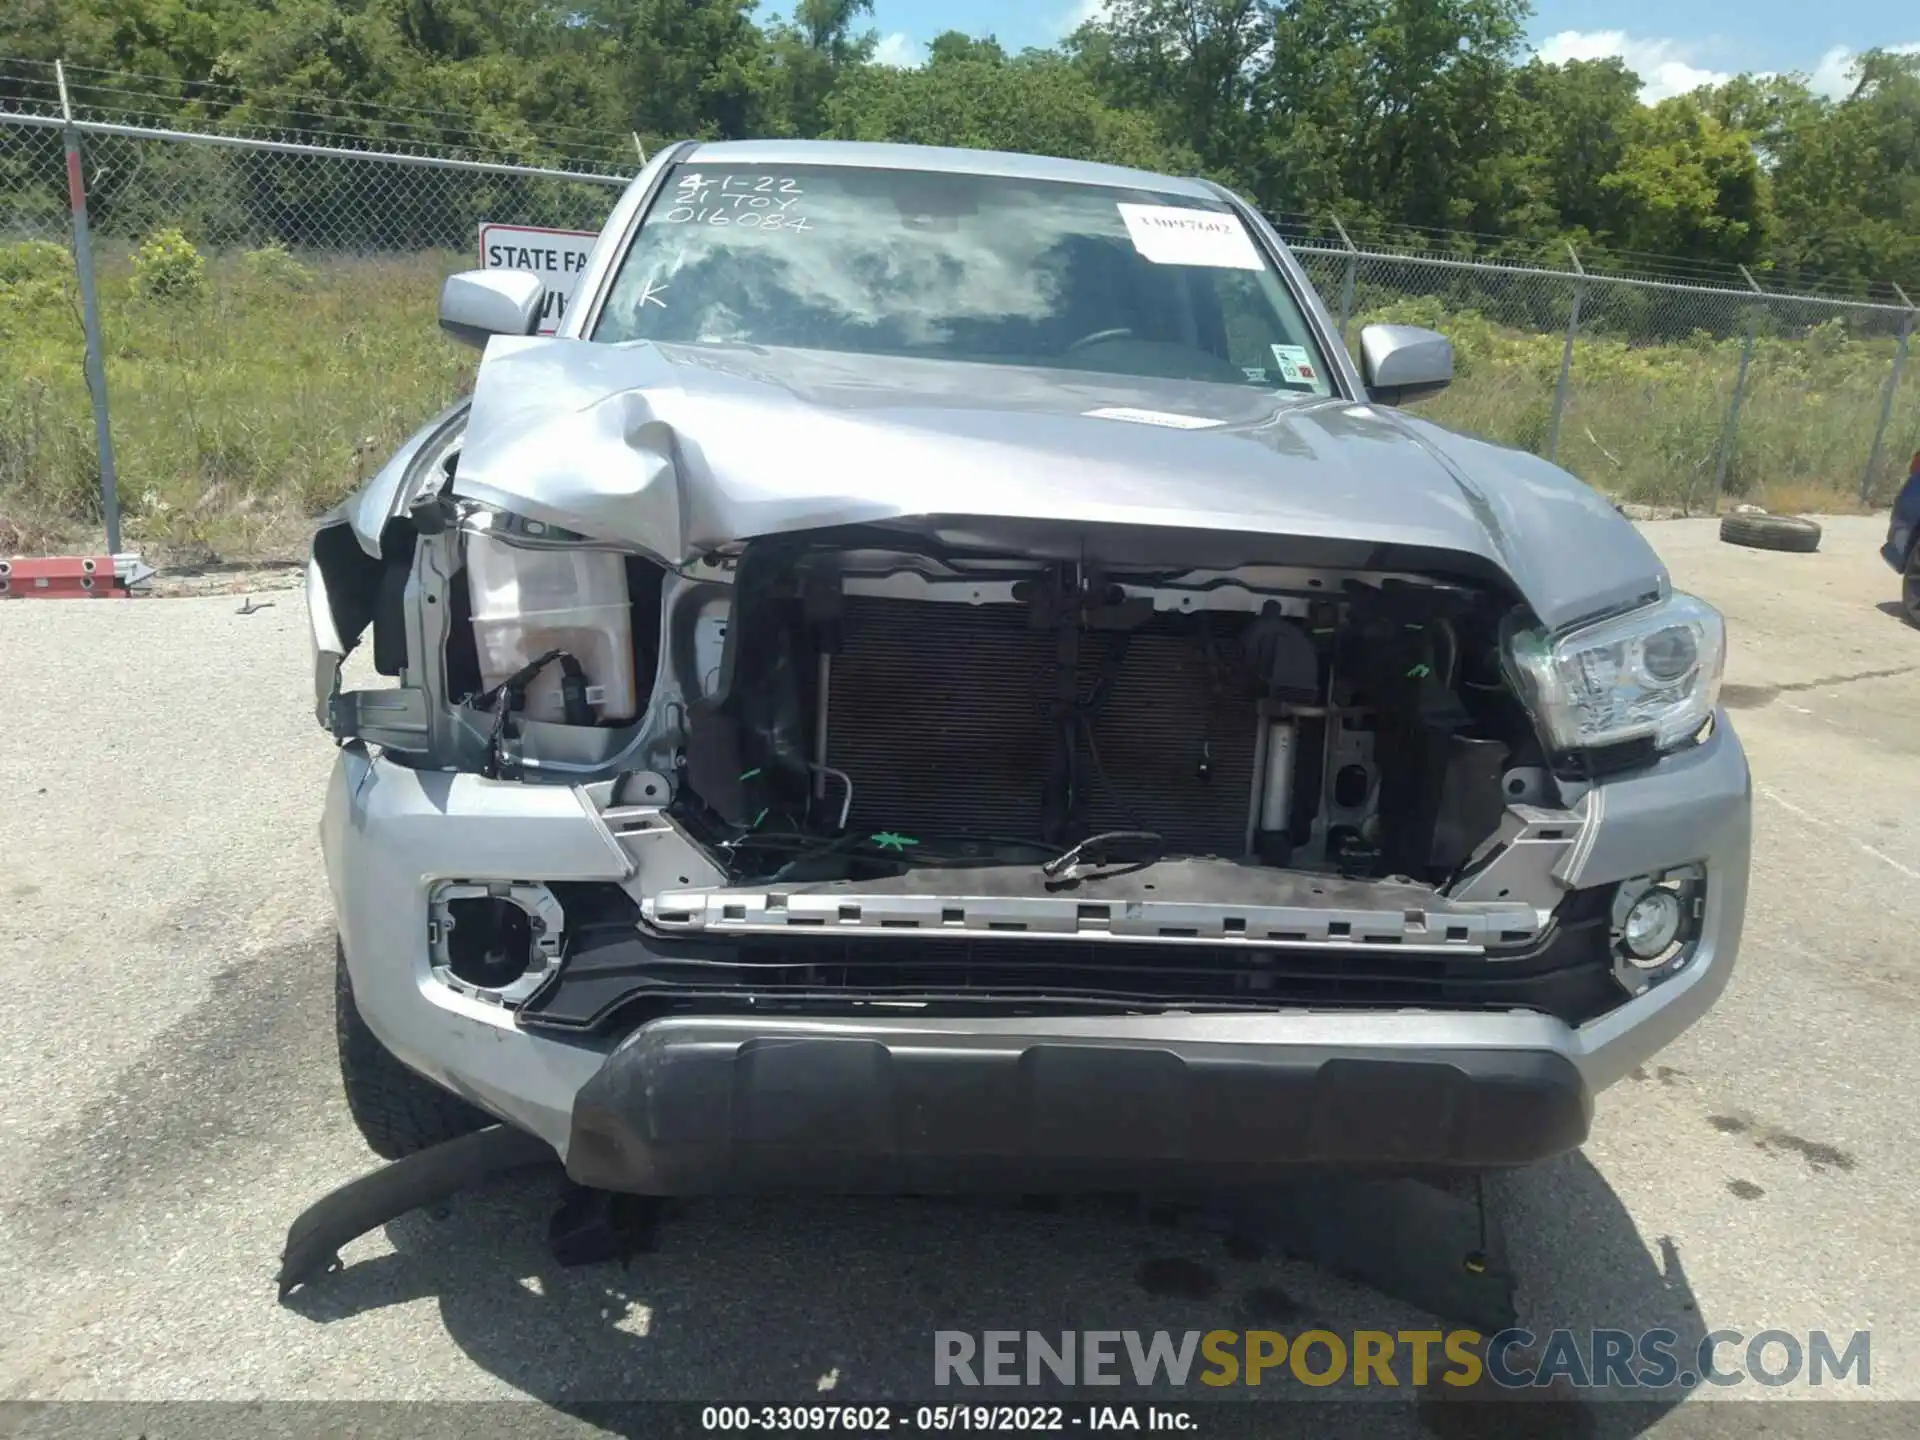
pixel 497 941
pixel 1655 921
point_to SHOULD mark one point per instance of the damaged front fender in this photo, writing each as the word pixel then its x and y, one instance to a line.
pixel 360 564
pixel 398 483
pixel 578 445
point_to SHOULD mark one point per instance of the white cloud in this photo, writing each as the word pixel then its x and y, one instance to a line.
pixel 898 51
pixel 1665 67
pixel 1083 11
pixel 1831 77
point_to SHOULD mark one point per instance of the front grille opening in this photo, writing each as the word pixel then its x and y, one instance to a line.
pixel 611 970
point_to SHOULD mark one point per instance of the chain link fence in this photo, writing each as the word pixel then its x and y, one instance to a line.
pixel 1663 392
pixel 266 318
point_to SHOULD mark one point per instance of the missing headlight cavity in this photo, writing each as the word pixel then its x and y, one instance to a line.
pixel 495 941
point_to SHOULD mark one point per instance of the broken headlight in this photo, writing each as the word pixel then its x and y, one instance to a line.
pixel 1651 674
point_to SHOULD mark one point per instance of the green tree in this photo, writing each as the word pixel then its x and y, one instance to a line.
pixel 1385 112
pixel 168 39
pixel 951 45
pixel 808 57
pixel 1846 180
pixel 1575 120
pixel 1393 108
pixel 1039 103
pixel 681 67
pixel 1192 67
pixel 1687 186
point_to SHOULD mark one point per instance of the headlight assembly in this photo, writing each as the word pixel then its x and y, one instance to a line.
pixel 1652 673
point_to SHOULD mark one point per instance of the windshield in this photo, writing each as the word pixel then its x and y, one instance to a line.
pixel 980 268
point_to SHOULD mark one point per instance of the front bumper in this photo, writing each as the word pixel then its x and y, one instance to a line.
pixel 696 1103
pixel 691 1106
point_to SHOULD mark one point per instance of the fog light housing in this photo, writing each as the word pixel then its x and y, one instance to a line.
pixel 1656 919
pixel 497 941
pixel 1652 924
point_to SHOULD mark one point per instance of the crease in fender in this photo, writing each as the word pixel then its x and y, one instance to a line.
pixel 1475 497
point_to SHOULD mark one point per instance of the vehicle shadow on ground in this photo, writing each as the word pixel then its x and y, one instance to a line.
pixel 835 1301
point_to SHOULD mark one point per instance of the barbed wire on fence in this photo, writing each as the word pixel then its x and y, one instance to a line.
pixel 31 89
pixel 225 191
pixel 1667 388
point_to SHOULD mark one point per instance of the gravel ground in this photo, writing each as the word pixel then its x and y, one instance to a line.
pixel 168 1099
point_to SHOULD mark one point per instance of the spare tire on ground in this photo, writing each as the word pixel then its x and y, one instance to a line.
pixel 1770 532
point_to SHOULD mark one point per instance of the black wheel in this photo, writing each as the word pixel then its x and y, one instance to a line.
pixel 1771 532
pixel 1910 587
pixel 398 1112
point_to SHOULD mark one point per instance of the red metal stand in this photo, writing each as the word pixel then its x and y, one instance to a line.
pixel 72 577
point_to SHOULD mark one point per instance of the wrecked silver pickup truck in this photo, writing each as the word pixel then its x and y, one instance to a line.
pixel 945 674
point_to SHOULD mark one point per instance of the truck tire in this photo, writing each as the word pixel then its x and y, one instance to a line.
pixel 1771 532
pixel 397 1111
pixel 1910 586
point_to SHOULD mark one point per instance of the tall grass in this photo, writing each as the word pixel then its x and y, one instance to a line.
pixel 248 400
pixel 239 411
pixel 1649 423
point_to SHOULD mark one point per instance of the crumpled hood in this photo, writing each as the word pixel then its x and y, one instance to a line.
pixel 678 449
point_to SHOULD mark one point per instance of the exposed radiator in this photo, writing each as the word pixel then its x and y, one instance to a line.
pixel 940 713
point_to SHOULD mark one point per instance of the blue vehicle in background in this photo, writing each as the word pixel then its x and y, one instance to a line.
pixel 1902 550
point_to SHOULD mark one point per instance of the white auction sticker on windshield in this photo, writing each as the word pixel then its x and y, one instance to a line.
pixel 1169 235
pixel 1295 362
pixel 1155 417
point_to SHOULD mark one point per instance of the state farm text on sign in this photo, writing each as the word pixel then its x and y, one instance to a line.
pixel 556 256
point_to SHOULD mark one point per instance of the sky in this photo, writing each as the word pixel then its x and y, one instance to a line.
pixel 1673 45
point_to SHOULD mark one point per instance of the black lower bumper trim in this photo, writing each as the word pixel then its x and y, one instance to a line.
pixel 690 1106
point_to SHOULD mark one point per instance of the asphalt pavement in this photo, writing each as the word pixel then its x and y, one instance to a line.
pixel 168 1096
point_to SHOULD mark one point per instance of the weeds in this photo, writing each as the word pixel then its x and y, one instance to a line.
pixel 1647 423
pixel 242 406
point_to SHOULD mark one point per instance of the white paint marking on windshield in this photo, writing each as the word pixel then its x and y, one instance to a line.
pixel 1169 235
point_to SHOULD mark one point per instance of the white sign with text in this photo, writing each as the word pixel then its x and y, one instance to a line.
pixel 556 256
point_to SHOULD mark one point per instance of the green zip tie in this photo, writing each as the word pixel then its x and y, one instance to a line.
pixel 887 840
pixel 757 819
pixel 1419 672
pixel 749 774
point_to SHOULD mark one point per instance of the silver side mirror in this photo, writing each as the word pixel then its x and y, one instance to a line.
pixel 476 304
pixel 1403 362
